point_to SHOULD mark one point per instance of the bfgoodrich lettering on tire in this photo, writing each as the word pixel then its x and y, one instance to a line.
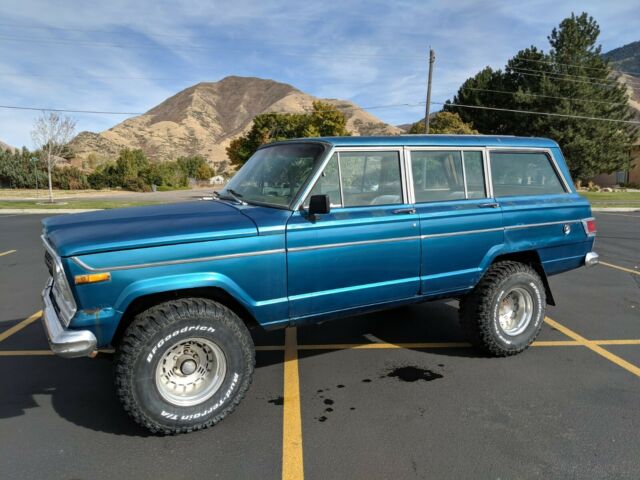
pixel 504 313
pixel 183 365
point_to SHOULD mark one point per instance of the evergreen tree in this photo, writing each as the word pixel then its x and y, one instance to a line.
pixel 571 79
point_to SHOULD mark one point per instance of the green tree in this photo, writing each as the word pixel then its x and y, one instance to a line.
pixel 571 79
pixel 324 120
pixel 192 165
pixel 445 122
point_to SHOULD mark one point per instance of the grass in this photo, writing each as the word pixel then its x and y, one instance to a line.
pixel 70 204
pixel 613 199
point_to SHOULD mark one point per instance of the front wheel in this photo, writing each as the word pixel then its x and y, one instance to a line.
pixel 503 314
pixel 183 365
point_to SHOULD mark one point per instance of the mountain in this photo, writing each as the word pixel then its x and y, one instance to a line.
pixel 5 146
pixel 626 60
pixel 204 118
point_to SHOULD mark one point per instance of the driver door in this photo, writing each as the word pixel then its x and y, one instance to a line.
pixel 366 251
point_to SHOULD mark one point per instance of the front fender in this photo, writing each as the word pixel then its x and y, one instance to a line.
pixel 170 283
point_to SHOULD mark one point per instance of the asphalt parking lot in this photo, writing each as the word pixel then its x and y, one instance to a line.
pixel 397 394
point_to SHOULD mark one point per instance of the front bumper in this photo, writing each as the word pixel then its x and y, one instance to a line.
pixel 63 342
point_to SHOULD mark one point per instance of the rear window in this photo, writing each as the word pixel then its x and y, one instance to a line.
pixel 523 173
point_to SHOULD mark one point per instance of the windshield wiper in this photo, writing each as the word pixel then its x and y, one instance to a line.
pixel 237 197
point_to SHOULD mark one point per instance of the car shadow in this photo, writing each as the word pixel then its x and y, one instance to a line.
pixel 82 392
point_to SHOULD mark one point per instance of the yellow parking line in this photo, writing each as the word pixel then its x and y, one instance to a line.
pixel 16 328
pixel 617 342
pixel 628 270
pixel 7 252
pixel 292 464
pixel 594 347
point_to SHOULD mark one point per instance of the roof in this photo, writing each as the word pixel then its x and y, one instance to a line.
pixel 433 140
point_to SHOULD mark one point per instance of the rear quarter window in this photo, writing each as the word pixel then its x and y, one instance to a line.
pixel 524 173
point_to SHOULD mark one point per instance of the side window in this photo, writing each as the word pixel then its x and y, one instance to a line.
pixel 474 174
pixel 329 183
pixel 523 173
pixel 370 178
pixel 437 175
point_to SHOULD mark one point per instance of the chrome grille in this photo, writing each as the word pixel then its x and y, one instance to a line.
pixel 48 260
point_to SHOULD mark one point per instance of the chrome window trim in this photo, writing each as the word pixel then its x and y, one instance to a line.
pixel 464 176
pixel 82 264
pixel 338 150
pixel 339 180
pixel 547 152
pixel 302 195
pixel 483 152
pixel 487 173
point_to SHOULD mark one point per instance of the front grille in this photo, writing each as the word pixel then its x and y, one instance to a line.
pixel 48 259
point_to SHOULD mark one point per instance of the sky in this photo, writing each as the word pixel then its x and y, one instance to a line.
pixel 128 56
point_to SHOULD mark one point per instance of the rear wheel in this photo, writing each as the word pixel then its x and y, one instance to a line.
pixel 183 365
pixel 503 314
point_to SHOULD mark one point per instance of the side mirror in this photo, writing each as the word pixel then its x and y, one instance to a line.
pixel 319 205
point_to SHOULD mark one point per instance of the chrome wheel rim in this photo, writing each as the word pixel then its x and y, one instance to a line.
pixel 515 311
pixel 190 371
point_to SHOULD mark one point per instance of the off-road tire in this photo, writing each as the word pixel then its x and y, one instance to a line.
pixel 479 309
pixel 154 331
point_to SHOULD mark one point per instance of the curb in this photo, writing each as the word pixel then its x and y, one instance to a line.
pixel 615 209
pixel 40 211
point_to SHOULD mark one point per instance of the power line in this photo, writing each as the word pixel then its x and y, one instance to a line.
pixel 68 110
pixel 530 112
pixel 588 77
pixel 199 48
pixel 543 96
pixel 523 59
pixel 606 85
pixel 549 114
pixel 568 75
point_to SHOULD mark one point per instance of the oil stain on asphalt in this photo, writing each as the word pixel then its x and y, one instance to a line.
pixel 277 401
pixel 406 373
pixel 412 374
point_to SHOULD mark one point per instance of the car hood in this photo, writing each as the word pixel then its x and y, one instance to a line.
pixel 138 227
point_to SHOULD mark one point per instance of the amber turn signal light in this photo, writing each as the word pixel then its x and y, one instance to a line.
pixel 92 278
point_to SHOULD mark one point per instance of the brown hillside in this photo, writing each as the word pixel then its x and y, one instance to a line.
pixel 204 118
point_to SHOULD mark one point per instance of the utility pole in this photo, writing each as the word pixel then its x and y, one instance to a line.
pixel 432 58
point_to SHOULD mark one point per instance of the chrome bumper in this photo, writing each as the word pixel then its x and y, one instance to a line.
pixel 591 259
pixel 65 343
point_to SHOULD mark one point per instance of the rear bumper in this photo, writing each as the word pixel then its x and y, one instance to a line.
pixel 591 259
pixel 63 342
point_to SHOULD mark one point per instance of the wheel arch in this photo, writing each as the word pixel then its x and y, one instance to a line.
pixel 218 294
pixel 531 258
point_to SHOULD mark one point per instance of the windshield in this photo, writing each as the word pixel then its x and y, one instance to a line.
pixel 274 175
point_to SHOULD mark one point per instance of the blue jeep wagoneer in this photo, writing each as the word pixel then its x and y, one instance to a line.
pixel 309 230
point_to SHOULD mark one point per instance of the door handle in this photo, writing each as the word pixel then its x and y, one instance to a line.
pixel 489 205
pixel 404 211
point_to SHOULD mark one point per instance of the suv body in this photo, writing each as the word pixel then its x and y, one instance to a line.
pixel 314 229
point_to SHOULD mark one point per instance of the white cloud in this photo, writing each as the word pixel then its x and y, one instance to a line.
pixel 372 52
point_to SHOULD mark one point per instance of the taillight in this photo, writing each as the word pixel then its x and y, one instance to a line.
pixel 589 225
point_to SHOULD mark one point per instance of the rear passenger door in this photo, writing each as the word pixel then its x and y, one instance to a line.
pixel 460 224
